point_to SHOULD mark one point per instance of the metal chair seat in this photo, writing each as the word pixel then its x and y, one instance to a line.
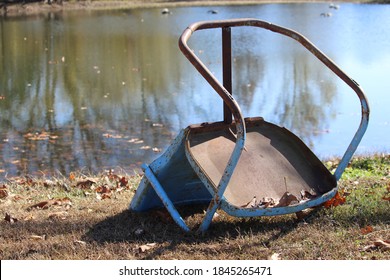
pixel 274 162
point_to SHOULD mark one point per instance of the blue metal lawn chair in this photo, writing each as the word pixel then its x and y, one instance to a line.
pixel 232 163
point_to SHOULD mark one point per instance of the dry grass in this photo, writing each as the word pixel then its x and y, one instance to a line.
pixel 77 222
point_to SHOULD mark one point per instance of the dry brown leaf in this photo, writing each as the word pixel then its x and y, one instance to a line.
pixel 303 214
pixel 72 176
pixel 335 201
pixel 46 204
pixel 378 244
pixel 146 247
pixel 86 184
pixel 42 205
pixel 287 199
pixel 3 192
pixel 62 201
pixel 386 197
pixel 101 196
pixel 16 197
pixel 250 204
pixel 383 245
pixel 306 195
pixel 266 202
pixel 103 189
pixel 123 181
pixel 10 219
pixel 105 195
pixel 367 230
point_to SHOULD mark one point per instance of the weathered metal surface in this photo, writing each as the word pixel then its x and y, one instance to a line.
pixel 175 176
pixel 273 163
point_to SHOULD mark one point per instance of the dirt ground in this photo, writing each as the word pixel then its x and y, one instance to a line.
pixel 10 9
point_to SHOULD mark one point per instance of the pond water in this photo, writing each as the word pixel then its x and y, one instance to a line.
pixel 105 90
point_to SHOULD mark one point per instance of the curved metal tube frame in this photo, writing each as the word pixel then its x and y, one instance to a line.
pixel 232 104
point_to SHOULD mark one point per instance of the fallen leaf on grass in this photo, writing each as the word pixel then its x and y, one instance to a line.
pixel 367 230
pixel 123 182
pixel 103 192
pixel 16 197
pixel 46 204
pixel 80 242
pixel 335 201
pixel 146 247
pixel 3 191
pixel 304 213
pixel 42 205
pixel 103 189
pixel 101 196
pixel 86 184
pixel 378 244
pixel 10 219
pixel 384 245
pixel 72 176
pixel 387 198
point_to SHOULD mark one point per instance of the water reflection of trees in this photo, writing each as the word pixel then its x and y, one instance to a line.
pixel 285 84
pixel 96 86
pixel 91 94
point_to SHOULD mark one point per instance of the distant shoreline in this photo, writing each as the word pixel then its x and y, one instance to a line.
pixel 20 9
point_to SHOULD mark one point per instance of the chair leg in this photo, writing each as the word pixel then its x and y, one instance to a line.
pixel 209 216
pixel 164 197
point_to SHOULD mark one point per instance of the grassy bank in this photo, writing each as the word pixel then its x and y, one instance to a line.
pixel 85 217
